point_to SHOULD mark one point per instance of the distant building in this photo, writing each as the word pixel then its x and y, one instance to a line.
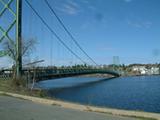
pixel 116 60
pixel 143 70
pixel 154 70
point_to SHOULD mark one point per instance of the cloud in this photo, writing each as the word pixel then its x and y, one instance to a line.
pixel 91 7
pixel 73 4
pixel 139 24
pixel 85 1
pixel 147 24
pixel 134 24
pixel 128 1
pixel 70 8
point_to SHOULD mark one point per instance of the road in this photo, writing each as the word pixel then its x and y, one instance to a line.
pixel 19 109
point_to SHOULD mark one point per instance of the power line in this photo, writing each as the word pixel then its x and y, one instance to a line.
pixel 53 32
pixel 68 32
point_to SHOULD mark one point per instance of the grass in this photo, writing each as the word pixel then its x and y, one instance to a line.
pixel 7 85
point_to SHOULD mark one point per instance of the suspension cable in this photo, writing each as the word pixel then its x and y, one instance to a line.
pixel 53 32
pixel 68 32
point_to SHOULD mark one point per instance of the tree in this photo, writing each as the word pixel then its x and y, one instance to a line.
pixel 27 48
pixel 9 49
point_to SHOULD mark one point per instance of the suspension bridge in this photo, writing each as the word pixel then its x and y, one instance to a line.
pixel 27 19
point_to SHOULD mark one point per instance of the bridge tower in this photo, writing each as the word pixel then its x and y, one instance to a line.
pixel 19 37
pixel 17 21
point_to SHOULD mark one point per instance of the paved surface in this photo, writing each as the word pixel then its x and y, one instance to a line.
pixel 19 109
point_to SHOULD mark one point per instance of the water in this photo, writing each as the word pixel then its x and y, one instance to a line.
pixel 130 93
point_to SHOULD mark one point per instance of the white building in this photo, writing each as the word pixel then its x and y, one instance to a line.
pixel 141 69
pixel 154 70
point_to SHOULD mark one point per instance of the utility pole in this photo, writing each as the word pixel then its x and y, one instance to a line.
pixel 18 38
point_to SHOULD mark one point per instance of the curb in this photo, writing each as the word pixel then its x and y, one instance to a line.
pixel 86 108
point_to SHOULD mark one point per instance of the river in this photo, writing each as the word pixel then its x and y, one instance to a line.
pixel 140 93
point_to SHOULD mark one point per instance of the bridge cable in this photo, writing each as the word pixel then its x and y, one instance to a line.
pixel 68 32
pixel 53 32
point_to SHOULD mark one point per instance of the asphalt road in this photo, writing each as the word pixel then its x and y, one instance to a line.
pixel 19 109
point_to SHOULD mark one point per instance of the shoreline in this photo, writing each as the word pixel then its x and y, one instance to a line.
pixel 108 76
pixel 127 113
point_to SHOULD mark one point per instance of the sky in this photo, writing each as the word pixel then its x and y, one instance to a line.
pixel 104 28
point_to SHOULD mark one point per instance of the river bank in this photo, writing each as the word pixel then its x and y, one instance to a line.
pixel 122 75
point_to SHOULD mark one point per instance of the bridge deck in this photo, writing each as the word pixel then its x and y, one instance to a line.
pixel 40 74
pixel 43 74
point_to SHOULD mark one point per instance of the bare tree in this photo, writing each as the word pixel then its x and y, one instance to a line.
pixel 27 48
pixel 9 48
